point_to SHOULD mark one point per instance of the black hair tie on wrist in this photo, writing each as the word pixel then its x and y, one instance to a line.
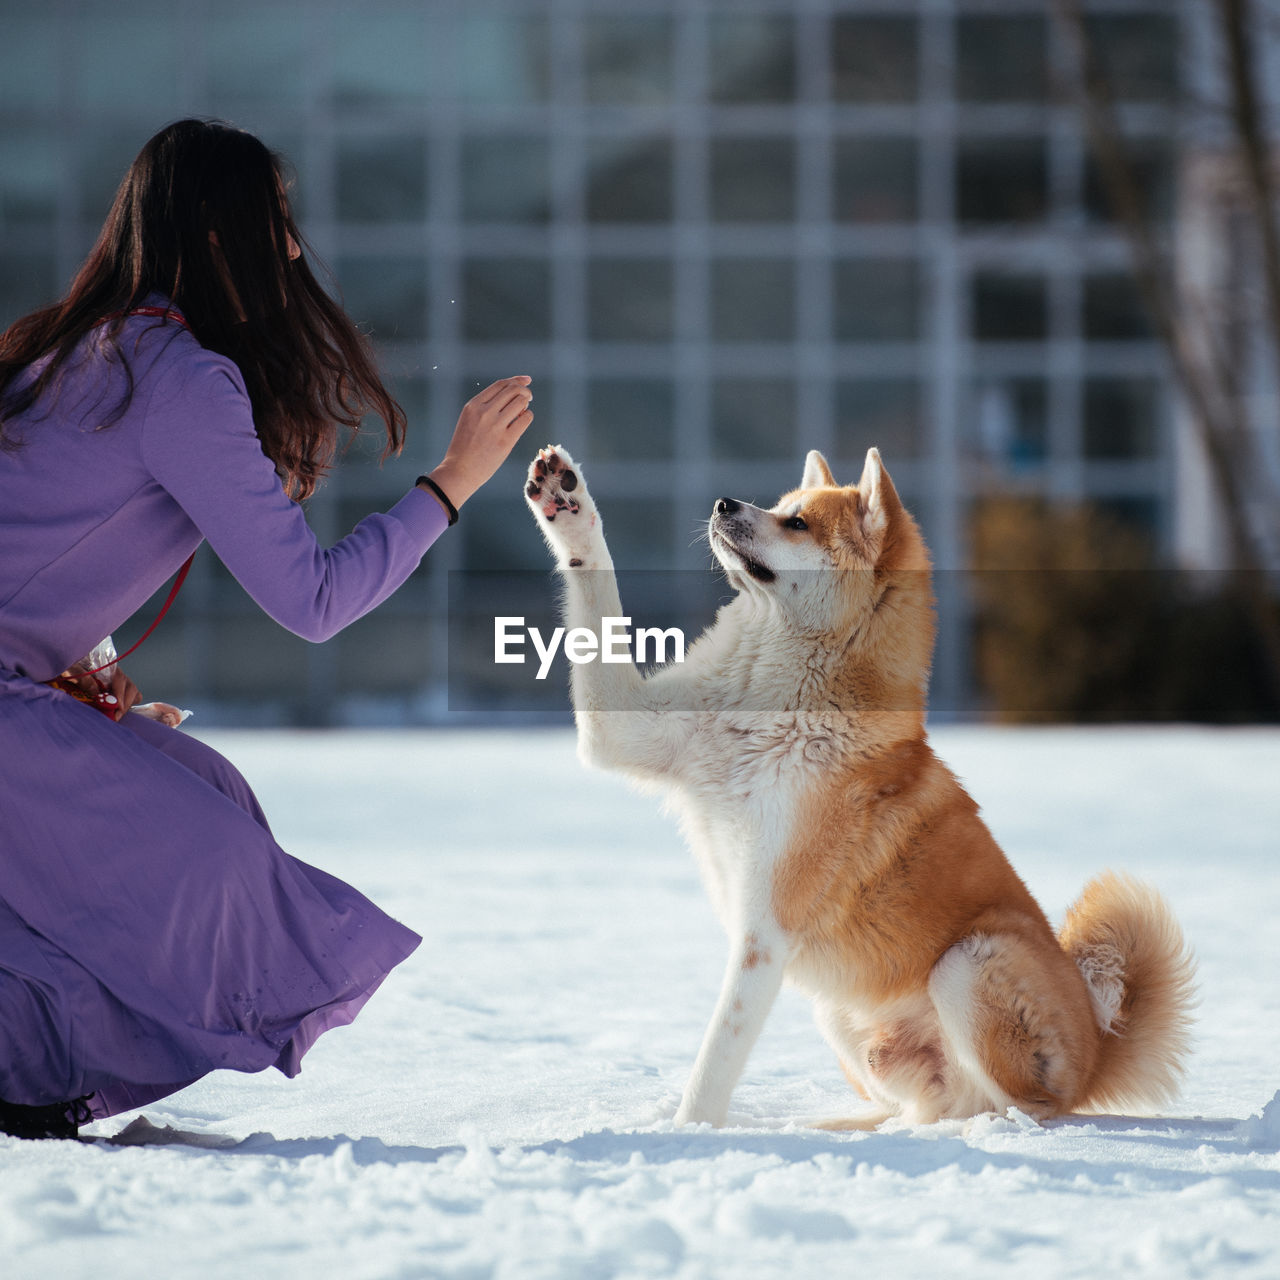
pixel 440 493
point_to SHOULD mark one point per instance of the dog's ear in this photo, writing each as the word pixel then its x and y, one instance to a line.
pixel 817 475
pixel 879 497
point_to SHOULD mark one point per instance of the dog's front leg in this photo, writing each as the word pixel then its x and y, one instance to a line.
pixel 751 982
pixel 625 721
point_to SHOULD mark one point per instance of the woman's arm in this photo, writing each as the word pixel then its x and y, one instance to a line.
pixel 199 443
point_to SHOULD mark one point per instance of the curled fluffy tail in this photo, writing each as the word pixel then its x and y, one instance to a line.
pixel 1141 979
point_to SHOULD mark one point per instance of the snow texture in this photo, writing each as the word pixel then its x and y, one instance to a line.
pixel 503 1106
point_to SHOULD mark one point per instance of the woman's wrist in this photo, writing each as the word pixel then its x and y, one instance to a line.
pixel 428 485
pixel 448 487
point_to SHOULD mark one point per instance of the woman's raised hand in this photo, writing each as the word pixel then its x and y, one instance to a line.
pixel 488 428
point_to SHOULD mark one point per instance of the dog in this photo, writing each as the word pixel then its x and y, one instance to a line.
pixel 838 851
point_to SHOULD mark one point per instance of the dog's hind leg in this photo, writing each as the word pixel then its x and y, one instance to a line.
pixel 1018 1029
pixel 752 979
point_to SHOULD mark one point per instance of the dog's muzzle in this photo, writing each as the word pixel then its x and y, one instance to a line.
pixel 732 533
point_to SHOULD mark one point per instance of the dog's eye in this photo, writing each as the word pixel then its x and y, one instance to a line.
pixel 794 523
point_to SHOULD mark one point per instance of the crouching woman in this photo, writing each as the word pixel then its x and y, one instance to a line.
pixel 190 387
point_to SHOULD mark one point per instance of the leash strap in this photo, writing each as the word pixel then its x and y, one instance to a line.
pixel 164 608
pixel 166 313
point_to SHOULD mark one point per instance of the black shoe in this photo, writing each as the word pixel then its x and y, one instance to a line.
pixel 59 1120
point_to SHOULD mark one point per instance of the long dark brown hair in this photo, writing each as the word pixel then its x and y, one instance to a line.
pixel 203 218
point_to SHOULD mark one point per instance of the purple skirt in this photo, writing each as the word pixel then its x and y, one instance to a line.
pixel 151 930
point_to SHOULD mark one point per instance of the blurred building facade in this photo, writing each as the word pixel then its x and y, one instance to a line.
pixel 716 234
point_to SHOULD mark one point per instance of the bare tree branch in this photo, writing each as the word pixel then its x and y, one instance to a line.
pixel 1205 379
pixel 1255 150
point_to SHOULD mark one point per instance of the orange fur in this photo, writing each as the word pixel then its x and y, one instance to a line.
pixel 891 868
pixel 1119 926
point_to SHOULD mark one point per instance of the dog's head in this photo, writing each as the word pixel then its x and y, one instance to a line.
pixel 839 561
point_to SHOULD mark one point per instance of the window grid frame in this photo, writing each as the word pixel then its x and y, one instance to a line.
pixel 945 356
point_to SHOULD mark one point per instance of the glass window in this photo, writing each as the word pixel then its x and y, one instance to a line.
pixel 874 59
pixel 418 455
pixel 1141 514
pixel 101 165
pixel 382 179
pixel 631 418
pixel 1121 418
pixel 380 654
pixel 1001 59
pixel 506 179
pixel 503 59
pixel 257 53
pixel 640 533
pixel 494 536
pixel 629 180
pixel 629 300
pixel 875 180
pixel 753 299
pixel 1011 420
pixel 30 166
pixel 251 657
pixel 753 179
pixel 753 418
pixel 380 55
pixel 1009 308
pixel 752 59
pixel 125 57
pixel 627 58
pixel 1001 180
pixel 1113 308
pixel 506 300
pixel 882 412
pixel 27 281
pixel 1138 53
pixel 386 294
pixel 410 392
pixel 28 53
pixel 1153 167
pixel 876 299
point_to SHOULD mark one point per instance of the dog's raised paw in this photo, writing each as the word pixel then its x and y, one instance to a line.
pixel 552 478
pixel 557 496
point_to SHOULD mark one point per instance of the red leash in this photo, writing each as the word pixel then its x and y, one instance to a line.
pixel 164 608
pixel 167 313
pixel 104 700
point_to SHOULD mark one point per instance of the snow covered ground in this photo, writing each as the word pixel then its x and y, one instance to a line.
pixel 502 1108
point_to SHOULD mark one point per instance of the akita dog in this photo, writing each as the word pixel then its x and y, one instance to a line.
pixel 839 852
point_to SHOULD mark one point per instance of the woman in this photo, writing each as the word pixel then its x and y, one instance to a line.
pixel 189 387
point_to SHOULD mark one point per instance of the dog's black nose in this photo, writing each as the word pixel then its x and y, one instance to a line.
pixel 726 506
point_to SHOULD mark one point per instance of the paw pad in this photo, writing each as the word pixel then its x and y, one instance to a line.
pixel 551 479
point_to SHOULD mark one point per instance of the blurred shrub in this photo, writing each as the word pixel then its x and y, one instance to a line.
pixel 1075 622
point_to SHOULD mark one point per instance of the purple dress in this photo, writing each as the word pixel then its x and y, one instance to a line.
pixel 151 929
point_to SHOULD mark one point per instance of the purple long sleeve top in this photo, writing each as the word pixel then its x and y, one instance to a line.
pixel 94 519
